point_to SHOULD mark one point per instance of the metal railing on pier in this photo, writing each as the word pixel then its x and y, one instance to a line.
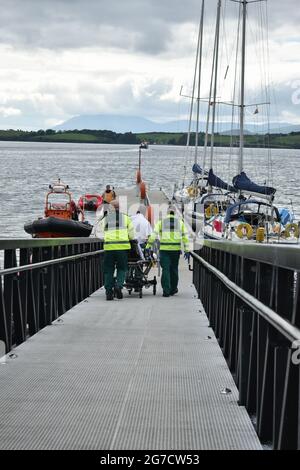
pixel 251 294
pixel 42 279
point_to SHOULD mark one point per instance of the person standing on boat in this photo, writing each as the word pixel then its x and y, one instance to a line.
pixel 118 230
pixel 76 211
pixel 171 233
pixel 109 194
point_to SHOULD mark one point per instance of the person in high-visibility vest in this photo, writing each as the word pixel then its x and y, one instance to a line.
pixel 172 233
pixel 118 230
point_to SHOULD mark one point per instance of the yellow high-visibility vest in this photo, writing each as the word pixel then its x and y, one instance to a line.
pixel 172 233
pixel 118 231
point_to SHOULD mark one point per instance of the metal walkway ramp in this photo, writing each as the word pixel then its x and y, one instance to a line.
pixel 130 374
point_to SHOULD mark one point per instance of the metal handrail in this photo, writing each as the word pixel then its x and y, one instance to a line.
pixel 283 326
pixel 285 255
pixel 20 243
pixel 44 264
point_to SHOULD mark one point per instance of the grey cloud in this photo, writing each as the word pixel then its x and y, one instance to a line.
pixel 285 99
pixel 118 98
pixel 131 24
pixel 140 25
pixel 148 27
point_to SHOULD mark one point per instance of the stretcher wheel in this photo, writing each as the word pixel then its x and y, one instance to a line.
pixel 154 285
pixel 143 190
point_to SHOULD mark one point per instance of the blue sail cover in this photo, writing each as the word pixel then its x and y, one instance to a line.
pixel 215 181
pixel 197 169
pixel 243 183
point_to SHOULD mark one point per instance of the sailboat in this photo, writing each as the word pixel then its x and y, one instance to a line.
pixel 242 210
pixel 253 215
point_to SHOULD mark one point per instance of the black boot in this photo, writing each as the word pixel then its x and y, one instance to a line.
pixel 118 293
pixel 109 295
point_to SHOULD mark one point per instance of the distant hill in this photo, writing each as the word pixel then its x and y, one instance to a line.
pixel 135 124
pixel 236 132
pixel 119 124
pixel 89 136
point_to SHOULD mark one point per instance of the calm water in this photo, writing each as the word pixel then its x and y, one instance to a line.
pixel 28 168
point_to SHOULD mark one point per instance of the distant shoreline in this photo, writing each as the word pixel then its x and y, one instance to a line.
pixel 279 141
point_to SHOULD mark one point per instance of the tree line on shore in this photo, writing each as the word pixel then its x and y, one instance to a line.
pixel 291 140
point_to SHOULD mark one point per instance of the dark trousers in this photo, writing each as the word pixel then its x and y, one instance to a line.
pixel 115 259
pixel 169 261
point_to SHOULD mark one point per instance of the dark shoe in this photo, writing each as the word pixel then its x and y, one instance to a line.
pixel 166 295
pixel 118 293
pixel 173 292
pixel 109 296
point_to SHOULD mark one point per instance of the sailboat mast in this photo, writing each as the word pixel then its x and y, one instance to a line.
pixel 215 84
pixel 193 89
pixel 192 99
pixel 242 104
pixel 199 82
pixel 209 105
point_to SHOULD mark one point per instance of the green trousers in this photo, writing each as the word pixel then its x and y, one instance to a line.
pixel 169 261
pixel 115 259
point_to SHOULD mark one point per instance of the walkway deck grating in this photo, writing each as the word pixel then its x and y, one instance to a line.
pixel 131 374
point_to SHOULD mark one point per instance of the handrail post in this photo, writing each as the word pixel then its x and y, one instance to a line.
pixel 9 262
pixel 47 285
pixel 246 317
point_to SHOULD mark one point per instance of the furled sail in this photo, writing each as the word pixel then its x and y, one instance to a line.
pixel 243 183
pixel 197 169
pixel 215 181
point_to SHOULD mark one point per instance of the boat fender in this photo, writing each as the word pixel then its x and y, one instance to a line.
pixel 150 214
pixel 138 177
pixel 143 190
pixel 291 229
pixel 244 229
pixel 260 234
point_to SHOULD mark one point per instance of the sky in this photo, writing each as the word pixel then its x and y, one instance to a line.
pixel 62 58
